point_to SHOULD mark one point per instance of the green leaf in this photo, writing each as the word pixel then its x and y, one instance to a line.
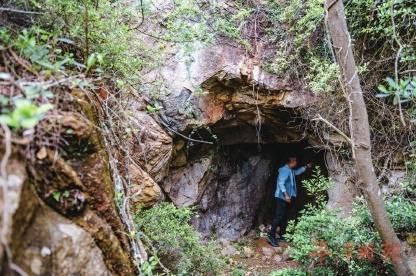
pixel 383 89
pixel 392 83
pixel 6 119
pixel 29 122
pixel 32 91
pixel 91 61
pixel 56 195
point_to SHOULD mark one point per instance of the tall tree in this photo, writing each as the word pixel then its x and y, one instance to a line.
pixel 360 133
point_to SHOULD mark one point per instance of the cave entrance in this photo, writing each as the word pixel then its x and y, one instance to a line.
pixel 240 195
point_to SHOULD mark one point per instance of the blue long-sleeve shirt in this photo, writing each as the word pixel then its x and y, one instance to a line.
pixel 286 181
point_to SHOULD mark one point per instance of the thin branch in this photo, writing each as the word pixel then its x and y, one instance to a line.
pixel 183 136
pixel 19 11
pixel 320 118
pixel 396 65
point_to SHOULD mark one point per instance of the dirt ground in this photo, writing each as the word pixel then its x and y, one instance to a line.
pixel 253 255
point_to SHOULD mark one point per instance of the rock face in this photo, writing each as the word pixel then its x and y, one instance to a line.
pixel 144 191
pixel 41 241
pixel 59 248
pixel 220 95
pixel 186 185
pixel 232 200
pixel 221 84
pixel 150 145
pixel 64 219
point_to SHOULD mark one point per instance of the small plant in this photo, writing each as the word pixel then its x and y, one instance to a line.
pixel 25 114
pixel 238 271
pixel 402 91
pixel 176 243
pixel 148 267
pixel 317 186
pixel 322 76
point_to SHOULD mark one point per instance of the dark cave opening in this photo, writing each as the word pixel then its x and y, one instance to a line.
pixel 240 194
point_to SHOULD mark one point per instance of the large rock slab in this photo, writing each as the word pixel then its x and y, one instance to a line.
pixel 185 185
pixel 233 198
pixel 221 82
pixel 59 247
pixel 143 190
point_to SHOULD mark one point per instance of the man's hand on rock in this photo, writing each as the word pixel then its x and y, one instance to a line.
pixel 309 165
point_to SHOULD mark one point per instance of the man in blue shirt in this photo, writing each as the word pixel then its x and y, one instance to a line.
pixel 285 193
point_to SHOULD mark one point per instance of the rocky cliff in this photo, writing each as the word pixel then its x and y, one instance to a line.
pixel 214 141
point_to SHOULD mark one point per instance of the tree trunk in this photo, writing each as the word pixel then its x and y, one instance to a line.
pixel 360 134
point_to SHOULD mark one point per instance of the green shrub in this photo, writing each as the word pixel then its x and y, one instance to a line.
pixel 402 213
pixel 326 244
pixel 176 243
pixel 102 29
pixel 352 245
pixel 322 239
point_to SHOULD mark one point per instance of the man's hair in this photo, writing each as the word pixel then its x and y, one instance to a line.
pixel 291 158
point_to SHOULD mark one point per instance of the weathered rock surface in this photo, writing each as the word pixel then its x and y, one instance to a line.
pixel 59 247
pixel 64 219
pixel 150 145
pixel 186 185
pixel 144 191
pixel 233 197
pixel 221 85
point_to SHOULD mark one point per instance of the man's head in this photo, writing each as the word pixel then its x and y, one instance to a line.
pixel 292 162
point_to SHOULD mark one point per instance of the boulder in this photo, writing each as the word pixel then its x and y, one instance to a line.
pixel 143 190
pixel 59 247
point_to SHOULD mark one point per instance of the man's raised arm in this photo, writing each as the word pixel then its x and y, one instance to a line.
pixel 302 169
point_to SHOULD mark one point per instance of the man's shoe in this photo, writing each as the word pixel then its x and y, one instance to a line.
pixel 272 241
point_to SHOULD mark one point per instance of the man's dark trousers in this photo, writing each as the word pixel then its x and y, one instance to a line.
pixel 280 217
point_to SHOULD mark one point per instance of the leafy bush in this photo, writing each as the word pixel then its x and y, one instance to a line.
pixel 176 243
pixel 322 239
pixel 317 186
pixel 352 245
pixel 326 244
pixel 402 213
pixel 103 29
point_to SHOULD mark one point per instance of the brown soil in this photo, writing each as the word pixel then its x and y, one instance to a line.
pixel 257 257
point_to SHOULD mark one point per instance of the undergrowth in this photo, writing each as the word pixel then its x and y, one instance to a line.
pixel 171 239
pixel 326 244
